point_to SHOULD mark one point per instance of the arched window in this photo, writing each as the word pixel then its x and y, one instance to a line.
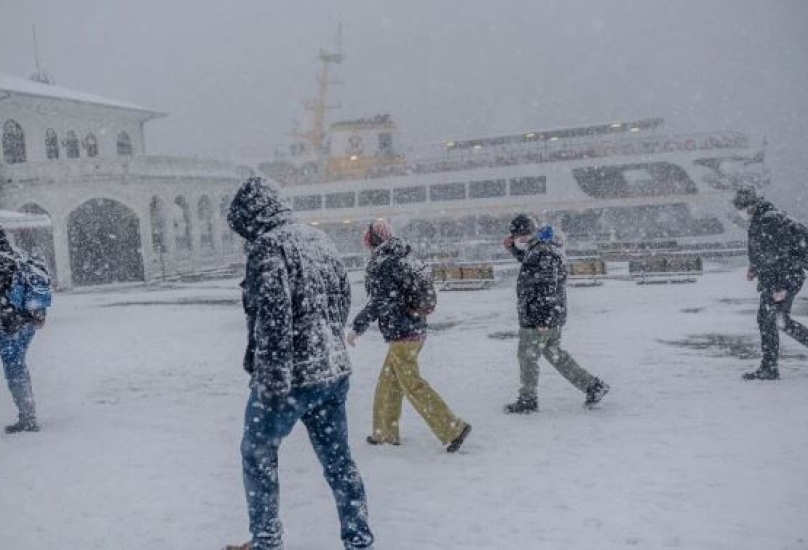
pixel 91 145
pixel 124 144
pixel 13 142
pixel 51 144
pixel 71 145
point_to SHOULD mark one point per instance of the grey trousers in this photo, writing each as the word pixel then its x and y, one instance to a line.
pixel 534 343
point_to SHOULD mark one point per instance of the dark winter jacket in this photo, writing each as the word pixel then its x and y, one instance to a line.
pixel 11 320
pixel 541 286
pixel 295 294
pixel 386 284
pixel 772 254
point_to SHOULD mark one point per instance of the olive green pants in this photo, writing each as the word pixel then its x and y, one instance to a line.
pixel 400 378
pixel 534 343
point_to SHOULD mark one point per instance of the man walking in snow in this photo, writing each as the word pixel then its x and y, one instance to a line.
pixel 542 307
pixel 388 285
pixel 17 329
pixel 296 298
pixel 778 258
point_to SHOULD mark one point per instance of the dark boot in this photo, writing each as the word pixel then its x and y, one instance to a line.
pixel 458 441
pixel 22 426
pixel 595 392
pixel 762 374
pixel 522 406
pixel 372 441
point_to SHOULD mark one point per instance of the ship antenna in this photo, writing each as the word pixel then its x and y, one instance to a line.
pixel 40 75
pixel 316 134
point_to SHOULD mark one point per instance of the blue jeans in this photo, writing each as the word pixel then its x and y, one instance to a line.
pixel 266 422
pixel 13 347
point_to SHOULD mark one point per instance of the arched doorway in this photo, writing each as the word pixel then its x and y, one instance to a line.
pixel 38 241
pixel 104 242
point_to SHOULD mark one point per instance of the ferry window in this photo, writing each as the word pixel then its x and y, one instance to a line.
pixel 447 191
pixel 307 202
pixel 487 189
pixel 386 144
pixel 13 142
pixel 634 180
pixel 92 145
pixel 51 144
pixel 528 186
pixel 340 200
pixel 374 197
pixel 406 195
pixel 71 145
pixel 124 144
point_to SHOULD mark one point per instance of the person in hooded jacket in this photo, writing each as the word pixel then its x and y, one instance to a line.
pixel 542 308
pixel 405 332
pixel 777 252
pixel 17 329
pixel 296 298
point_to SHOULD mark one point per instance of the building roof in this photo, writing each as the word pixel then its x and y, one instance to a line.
pixel 16 85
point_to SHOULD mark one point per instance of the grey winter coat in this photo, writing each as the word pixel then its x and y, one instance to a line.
pixel 295 293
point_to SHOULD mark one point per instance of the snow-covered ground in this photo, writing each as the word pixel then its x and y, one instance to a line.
pixel 140 393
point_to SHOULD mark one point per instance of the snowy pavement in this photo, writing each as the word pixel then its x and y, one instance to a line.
pixel 140 393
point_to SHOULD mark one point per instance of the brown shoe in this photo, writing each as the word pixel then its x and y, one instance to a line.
pixel 245 546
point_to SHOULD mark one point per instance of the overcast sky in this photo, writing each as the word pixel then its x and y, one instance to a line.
pixel 232 74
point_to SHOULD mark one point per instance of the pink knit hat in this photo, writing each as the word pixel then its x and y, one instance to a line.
pixel 377 233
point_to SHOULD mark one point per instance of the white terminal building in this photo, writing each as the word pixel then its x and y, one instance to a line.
pixel 83 192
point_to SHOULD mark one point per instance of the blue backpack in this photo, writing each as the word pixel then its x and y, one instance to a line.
pixel 31 289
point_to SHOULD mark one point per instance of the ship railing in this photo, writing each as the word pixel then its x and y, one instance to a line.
pixel 539 152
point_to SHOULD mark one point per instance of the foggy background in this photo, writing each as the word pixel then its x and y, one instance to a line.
pixel 232 75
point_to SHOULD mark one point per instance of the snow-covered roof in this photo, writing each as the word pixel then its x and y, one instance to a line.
pixel 11 221
pixel 23 86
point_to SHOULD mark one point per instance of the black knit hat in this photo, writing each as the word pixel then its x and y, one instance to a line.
pixel 523 225
pixel 745 197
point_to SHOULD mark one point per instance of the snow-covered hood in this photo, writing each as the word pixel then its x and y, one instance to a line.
pixel 393 247
pixel 256 209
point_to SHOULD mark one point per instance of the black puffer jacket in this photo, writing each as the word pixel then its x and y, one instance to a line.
pixel 541 286
pixel 386 285
pixel 296 295
pixel 772 250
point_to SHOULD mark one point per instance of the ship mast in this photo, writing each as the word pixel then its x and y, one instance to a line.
pixel 318 107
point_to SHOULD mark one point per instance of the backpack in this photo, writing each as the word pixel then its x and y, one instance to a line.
pixel 419 289
pixel 798 241
pixel 31 290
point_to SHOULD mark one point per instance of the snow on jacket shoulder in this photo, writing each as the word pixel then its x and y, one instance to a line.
pixel 385 286
pixel 541 287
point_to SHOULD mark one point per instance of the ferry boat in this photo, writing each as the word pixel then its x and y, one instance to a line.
pixel 619 187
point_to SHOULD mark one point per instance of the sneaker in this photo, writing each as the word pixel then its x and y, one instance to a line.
pixel 373 441
pixel 23 426
pixel 458 441
pixel 522 406
pixel 595 392
pixel 762 374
